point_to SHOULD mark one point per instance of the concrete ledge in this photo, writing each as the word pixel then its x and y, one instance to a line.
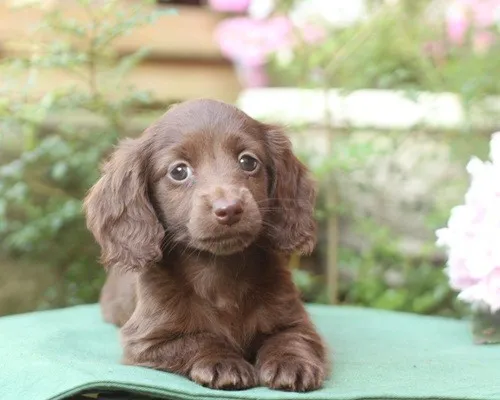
pixel 373 109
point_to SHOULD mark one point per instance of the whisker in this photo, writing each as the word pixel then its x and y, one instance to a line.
pixel 295 200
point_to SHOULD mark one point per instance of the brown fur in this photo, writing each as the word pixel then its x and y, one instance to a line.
pixel 212 301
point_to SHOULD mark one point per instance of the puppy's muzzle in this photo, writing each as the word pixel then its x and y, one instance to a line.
pixel 227 211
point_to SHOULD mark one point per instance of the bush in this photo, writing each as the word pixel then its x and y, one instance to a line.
pixel 41 189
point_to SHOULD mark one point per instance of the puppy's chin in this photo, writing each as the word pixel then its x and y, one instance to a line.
pixel 223 246
pixel 207 235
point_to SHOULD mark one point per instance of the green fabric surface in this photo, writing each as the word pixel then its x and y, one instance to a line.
pixel 378 355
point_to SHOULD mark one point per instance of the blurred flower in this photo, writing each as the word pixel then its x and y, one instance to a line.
pixel 311 33
pixel 486 291
pixel 482 41
pixel 250 41
pixel 252 76
pixel 229 6
pixel 436 50
pixel 472 237
pixel 476 15
pixel 456 23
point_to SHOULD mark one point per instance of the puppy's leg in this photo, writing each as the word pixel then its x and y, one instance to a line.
pixel 294 358
pixel 118 297
pixel 202 357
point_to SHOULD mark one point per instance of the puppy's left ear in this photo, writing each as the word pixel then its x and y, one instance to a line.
pixel 119 212
pixel 292 195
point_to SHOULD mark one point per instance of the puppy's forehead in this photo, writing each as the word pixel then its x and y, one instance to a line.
pixel 199 126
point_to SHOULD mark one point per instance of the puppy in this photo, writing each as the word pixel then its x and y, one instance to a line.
pixel 196 220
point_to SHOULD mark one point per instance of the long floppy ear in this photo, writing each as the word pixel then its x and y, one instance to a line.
pixel 292 197
pixel 119 213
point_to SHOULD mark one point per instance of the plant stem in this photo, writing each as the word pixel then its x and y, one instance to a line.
pixel 92 52
pixel 332 275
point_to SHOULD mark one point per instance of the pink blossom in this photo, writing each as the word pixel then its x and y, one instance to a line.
pixel 457 23
pixel 483 12
pixel 493 290
pixel 458 272
pixel 480 12
pixel 485 292
pixel 436 50
pixel 312 33
pixel 250 41
pixel 476 15
pixel 229 6
pixel 482 41
pixel 472 235
pixel 252 76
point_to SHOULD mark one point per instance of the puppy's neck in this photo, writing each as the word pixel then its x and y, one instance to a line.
pixel 232 266
pixel 224 281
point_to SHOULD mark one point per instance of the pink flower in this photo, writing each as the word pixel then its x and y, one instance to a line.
pixel 457 23
pixel 476 15
pixel 483 12
pixel 436 50
pixel 485 292
pixel 312 33
pixel 493 290
pixel 460 277
pixel 250 41
pixel 480 12
pixel 482 41
pixel 252 76
pixel 229 6
pixel 472 235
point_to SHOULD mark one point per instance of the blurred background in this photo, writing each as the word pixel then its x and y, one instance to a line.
pixel 385 101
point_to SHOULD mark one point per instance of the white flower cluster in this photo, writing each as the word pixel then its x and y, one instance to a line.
pixel 472 237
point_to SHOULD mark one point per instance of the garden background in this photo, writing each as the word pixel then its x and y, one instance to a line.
pixel 386 101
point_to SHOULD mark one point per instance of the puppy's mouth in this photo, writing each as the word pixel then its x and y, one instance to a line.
pixel 224 244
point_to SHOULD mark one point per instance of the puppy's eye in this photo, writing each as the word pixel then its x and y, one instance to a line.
pixel 248 163
pixel 180 172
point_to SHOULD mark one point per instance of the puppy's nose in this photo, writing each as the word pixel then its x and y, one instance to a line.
pixel 227 212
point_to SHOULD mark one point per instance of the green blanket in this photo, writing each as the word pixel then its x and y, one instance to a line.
pixel 378 355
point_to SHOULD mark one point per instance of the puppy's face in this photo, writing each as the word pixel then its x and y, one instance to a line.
pixel 205 176
pixel 211 180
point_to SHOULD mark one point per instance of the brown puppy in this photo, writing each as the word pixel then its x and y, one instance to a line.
pixel 196 220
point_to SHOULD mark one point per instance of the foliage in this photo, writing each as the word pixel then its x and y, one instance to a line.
pixel 398 47
pixel 384 278
pixel 380 274
pixel 41 189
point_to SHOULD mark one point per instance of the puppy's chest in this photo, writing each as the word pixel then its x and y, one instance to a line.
pixel 232 319
pixel 231 310
pixel 217 290
pixel 223 302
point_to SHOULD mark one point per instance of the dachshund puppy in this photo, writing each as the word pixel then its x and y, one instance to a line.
pixel 196 220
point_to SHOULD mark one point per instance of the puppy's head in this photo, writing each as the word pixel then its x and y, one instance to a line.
pixel 205 176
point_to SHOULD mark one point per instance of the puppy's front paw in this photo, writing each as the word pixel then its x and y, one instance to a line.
pixel 292 374
pixel 230 374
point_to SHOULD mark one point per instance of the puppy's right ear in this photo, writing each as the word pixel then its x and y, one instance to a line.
pixel 119 213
